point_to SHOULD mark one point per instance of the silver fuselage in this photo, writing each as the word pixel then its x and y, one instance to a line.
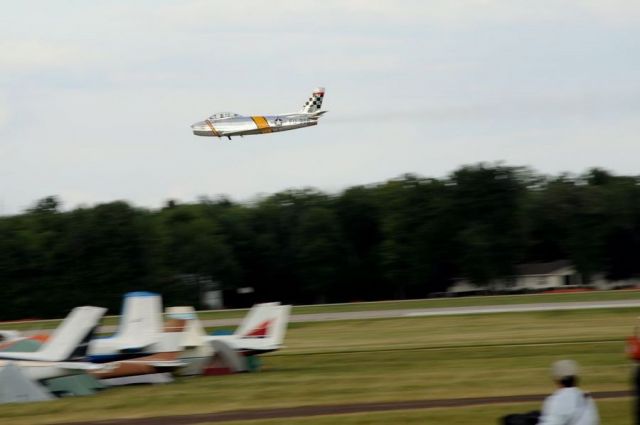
pixel 259 124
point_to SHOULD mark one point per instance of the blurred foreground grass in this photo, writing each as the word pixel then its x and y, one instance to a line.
pixel 612 412
pixel 386 360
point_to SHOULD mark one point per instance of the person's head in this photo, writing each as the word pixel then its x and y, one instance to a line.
pixel 565 373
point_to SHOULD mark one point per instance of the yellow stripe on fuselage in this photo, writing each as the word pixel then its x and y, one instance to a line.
pixel 262 124
pixel 213 129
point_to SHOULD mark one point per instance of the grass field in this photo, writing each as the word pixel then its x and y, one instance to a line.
pixel 389 305
pixel 388 360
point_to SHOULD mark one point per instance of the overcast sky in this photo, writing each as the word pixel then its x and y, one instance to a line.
pixel 96 97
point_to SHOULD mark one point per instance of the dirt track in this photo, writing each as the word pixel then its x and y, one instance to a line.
pixel 302 411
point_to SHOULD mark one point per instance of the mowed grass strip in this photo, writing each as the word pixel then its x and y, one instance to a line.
pixel 389 305
pixel 556 327
pixel 475 301
pixel 382 360
pixel 612 412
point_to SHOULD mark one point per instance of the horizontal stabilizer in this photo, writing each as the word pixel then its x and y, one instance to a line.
pixel 81 366
pixel 167 364
pixel 316 115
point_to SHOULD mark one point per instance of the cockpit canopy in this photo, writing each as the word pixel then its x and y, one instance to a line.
pixel 223 115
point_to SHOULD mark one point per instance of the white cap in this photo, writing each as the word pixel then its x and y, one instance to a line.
pixel 563 368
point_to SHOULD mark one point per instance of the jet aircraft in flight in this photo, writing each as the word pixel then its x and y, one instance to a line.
pixel 227 124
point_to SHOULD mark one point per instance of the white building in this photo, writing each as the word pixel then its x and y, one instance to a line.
pixel 534 277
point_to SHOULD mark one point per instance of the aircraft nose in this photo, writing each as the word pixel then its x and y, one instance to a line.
pixel 198 125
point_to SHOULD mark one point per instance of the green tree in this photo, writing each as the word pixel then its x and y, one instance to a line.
pixel 487 206
pixel 193 245
pixel 359 213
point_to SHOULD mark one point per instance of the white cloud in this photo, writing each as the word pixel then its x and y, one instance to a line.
pixel 616 12
pixel 34 55
pixel 316 16
pixel 4 113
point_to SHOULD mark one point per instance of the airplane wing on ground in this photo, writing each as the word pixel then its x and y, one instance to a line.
pixel 166 364
pixel 81 366
pixel 152 364
pixel 135 346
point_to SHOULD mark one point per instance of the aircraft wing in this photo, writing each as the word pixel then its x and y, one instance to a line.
pixel 171 364
pixel 81 366
pixel 246 344
pixel 134 348
pixel 158 363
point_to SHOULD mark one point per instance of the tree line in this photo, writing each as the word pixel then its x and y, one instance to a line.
pixel 404 238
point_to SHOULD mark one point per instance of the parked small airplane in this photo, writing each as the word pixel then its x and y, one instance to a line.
pixel 62 353
pixel 261 331
pixel 162 361
pixel 139 331
pixel 141 344
pixel 227 124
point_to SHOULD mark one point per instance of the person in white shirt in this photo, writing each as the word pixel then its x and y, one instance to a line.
pixel 568 405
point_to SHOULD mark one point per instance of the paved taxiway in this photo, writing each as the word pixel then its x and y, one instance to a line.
pixel 424 312
pixel 444 311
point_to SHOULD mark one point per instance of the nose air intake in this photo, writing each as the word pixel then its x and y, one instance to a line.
pixel 204 128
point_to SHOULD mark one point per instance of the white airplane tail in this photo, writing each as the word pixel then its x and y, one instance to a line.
pixel 141 321
pixel 69 341
pixel 315 101
pixel 139 328
pixel 193 334
pixel 196 351
pixel 266 322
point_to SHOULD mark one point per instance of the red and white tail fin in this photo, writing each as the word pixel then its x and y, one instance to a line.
pixel 315 101
pixel 266 322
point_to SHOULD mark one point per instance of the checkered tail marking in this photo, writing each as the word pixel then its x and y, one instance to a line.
pixel 315 101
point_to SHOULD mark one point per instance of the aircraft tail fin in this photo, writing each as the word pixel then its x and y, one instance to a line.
pixel 267 321
pixel 70 340
pixel 315 101
pixel 194 333
pixel 141 321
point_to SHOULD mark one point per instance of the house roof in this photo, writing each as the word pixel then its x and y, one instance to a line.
pixel 542 268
